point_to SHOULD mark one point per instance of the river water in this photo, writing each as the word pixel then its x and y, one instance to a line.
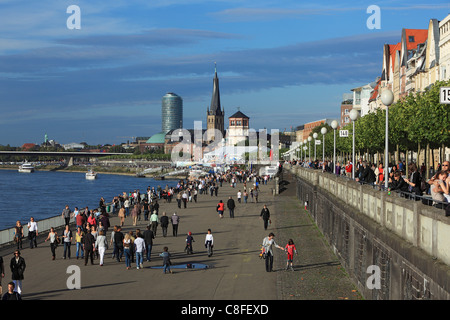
pixel 44 194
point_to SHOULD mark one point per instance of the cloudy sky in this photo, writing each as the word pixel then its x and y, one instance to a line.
pixel 283 63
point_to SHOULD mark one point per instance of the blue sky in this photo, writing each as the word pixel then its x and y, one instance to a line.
pixel 283 63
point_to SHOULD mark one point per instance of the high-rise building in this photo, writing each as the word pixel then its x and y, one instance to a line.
pixel 171 112
pixel 215 114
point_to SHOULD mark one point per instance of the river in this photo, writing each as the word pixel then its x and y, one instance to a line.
pixel 44 194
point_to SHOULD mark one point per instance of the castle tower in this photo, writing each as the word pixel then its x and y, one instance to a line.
pixel 215 114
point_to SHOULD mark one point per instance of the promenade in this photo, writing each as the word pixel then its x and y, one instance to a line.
pixel 235 270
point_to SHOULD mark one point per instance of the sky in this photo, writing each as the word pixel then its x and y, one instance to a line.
pixel 282 63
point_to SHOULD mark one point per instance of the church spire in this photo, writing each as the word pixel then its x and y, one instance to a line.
pixel 215 107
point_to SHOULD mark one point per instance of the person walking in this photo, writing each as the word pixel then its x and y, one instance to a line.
pixel 148 239
pixel 139 247
pixel 134 214
pixel 290 249
pixel 154 220
pixel 127 250
pixel 265 216
pixel 121 215
pixel 32 233
pixel 164 223
pixel 79 242
pixel 101 245
pixel 189 240
pixel 209 243
pixel 231 205
pixel 268 244
pixel 220 208
pixel 17 266
pixel 175 220
pixel 118 240
pixel 67 240
pixel 2 273
pixel 11 294
pixel 166 260
pixel 66 213
pixel 89 247
pixel 18 234
pixel 53 237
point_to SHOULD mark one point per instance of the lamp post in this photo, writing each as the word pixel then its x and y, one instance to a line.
pixel 315 135
pixel 387 97
pixel 305 148
pixel 298 149
pixel 309 147
pixel 323 131
pixel 334 125
pixel 353 115
pixel 301 151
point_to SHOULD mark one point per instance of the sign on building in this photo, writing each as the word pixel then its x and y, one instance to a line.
pixel 343 133
pixel 444 96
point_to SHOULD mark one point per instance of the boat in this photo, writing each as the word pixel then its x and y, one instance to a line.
pixel 26 167
pixel 91 175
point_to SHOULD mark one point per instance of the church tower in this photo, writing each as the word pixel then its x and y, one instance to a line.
pixel 215 114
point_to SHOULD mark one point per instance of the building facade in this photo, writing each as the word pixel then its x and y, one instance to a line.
pixel 171 112
pixel 238 125
pixel 444 48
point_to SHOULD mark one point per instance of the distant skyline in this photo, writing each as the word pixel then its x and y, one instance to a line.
pixel 283 63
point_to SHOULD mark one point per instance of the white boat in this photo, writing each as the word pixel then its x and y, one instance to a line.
pixel 91 175
pixel 26 167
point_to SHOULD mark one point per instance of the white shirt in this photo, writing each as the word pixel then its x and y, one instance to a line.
pixel 32 226
pixel 139 243
pixel 209 237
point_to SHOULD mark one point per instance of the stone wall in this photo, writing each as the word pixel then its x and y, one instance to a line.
pixel 393 248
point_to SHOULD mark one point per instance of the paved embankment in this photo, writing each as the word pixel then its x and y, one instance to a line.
pixel 236 272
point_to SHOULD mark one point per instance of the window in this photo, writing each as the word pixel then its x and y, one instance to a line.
pixel 411 38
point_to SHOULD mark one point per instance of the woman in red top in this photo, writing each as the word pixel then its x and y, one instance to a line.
pixel 220 208
pixel 290 248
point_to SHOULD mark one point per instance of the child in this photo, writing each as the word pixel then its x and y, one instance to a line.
pixel 189 240
pixel 166 260
pixel 290 248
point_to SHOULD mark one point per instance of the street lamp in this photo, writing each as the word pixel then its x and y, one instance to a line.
pixel 309 147
pixel 305 148
pixel 334 125
pixel 315 135
pixel 298 149
pixel 301 151
pixel 353 115
pixel 387 97
pixel 323 131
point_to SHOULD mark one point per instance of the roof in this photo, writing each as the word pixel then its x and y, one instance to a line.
pixel 420 36
pixel 215 107
pixel 239 115
pixel 157 138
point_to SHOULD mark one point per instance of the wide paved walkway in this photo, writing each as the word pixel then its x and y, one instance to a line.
pixel 235 270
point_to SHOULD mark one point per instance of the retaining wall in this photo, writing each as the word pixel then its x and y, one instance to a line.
pixel 406 241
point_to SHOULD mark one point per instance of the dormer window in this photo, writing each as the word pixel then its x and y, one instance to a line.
pixel 411 38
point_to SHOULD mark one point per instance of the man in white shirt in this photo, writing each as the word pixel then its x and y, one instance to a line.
pixel 139 244
pixel 268 244
pixel 32 232
pixel 239 196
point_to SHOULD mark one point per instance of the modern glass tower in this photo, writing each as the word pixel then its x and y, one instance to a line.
pixel 172 112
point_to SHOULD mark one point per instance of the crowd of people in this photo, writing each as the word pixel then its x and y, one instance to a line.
pixel 93 234
pixel 409 182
